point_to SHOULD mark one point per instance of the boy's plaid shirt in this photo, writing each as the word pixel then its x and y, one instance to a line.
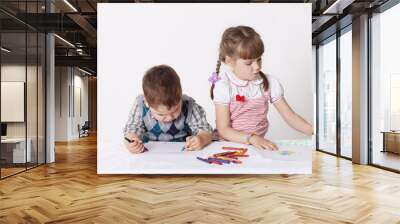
pixel 197 121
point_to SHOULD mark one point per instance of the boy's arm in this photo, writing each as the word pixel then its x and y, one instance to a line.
pixel 291 118
pixel 135 124
pixel 205 138
pixel 199 125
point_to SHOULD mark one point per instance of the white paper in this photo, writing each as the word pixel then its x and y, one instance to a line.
pixel 168 158
pixel 285 153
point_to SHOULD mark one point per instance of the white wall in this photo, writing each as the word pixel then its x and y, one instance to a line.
pixel 80 84
pixel 68 81
pixel 186 36
pixel 61 103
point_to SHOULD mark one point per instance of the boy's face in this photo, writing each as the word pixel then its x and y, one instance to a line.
pixel 164 114
pixel 245 69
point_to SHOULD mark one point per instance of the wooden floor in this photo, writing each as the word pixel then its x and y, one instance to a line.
pixel 387 159
pixel 70 191
pixel 10 171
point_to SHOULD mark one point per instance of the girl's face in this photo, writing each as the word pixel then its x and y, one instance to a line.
pixel 245 69
pixel 164 114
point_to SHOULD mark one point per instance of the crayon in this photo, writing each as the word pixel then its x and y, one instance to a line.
pixel 224 154
pixel 215 161
pixel 241 155
pixel 230 157
pixel 204 160
pixel 219 160
pixel 131 141
pixel 226 158
pixel 236 161
pixel 233 148
pixel 128 140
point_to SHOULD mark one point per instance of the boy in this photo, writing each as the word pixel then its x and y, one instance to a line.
pixel 164 114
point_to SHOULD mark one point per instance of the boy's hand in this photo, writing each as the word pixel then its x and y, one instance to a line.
pixel 136 145
pixel 198 142
pixel 262 143
pixel 194 143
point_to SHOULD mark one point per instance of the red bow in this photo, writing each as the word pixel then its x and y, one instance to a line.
pixel 239 98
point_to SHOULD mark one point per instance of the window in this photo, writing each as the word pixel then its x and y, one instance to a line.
pixel 327 96
pixel 385 89
pixel 346 93
pixel 22 77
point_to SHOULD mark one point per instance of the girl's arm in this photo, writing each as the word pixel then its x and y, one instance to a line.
pixel 226 131
pixel 224 125
pixel 291 118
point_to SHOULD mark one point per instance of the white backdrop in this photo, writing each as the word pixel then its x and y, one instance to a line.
pixel 134 37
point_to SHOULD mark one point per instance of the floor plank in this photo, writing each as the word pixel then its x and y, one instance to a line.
pixel 70 191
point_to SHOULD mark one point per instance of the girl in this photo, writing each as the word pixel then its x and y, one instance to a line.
pixel 242 92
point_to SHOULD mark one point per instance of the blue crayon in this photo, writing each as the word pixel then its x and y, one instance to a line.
pixel 219 160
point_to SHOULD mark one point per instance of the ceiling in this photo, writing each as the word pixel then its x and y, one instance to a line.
pixel 76 22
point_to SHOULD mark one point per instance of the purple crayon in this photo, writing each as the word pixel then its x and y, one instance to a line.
pixel 204 160
pixel 219 160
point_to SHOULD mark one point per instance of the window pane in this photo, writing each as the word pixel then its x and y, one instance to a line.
pixel 346 94
pixel 14 153
pixel 31 101
pixel 327 96
pixel 386 89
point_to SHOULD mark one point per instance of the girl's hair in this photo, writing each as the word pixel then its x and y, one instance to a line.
pixel 240 42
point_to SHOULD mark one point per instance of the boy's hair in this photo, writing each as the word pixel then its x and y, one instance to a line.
pixel 240 42
pixel 161 86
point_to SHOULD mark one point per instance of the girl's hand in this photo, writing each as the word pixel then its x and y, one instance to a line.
pixel 262 143
pixel 136 145
pixel 194 143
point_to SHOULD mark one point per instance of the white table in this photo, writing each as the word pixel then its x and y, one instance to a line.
pixel 18 144
pixel 167 158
